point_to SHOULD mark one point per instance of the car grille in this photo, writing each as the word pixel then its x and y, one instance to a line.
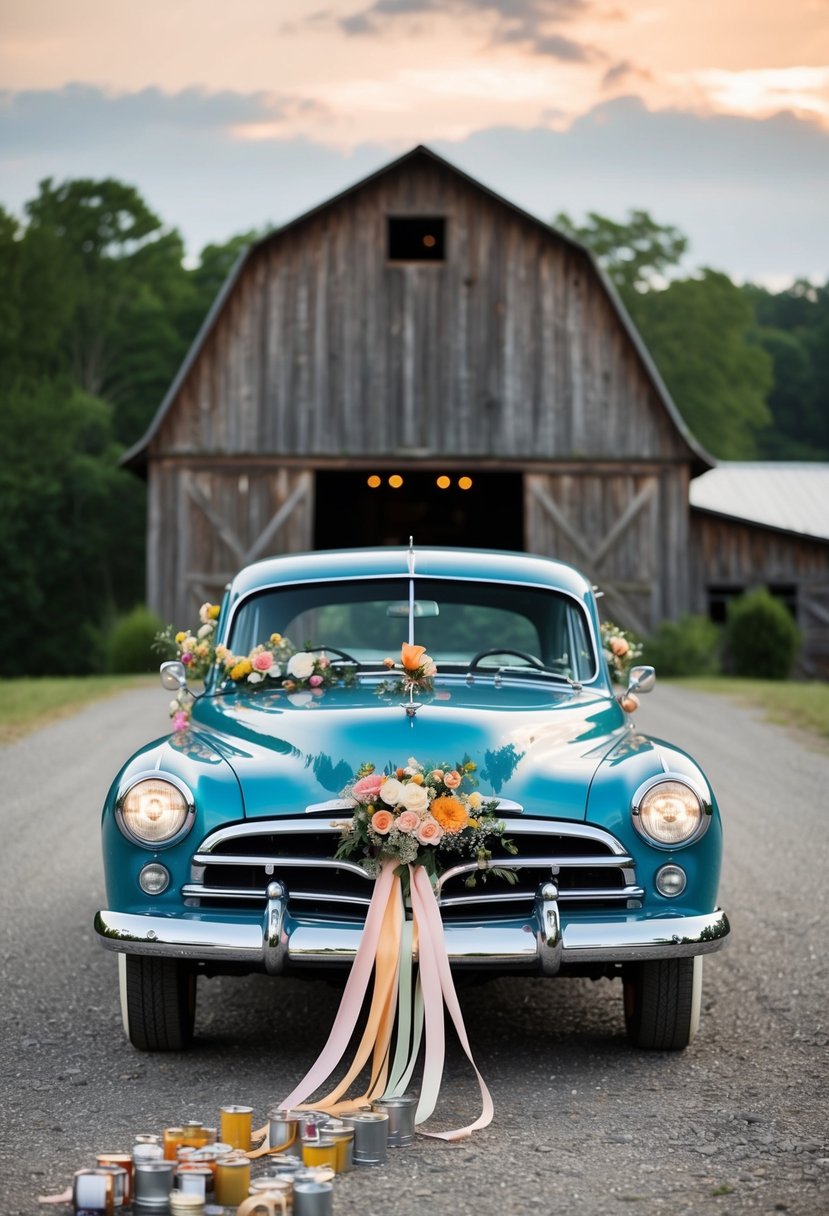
pixel 233 867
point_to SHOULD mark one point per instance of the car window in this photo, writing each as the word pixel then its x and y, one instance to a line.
pixel 369 620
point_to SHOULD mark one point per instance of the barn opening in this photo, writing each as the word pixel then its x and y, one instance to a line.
pixel 436 507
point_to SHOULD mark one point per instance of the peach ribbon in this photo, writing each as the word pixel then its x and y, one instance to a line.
pixel 388 946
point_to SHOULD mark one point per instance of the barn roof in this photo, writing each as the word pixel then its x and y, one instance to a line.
pixel 793 497
pixel 136 456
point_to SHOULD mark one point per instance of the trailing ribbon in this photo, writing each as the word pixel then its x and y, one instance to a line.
pixel 388 946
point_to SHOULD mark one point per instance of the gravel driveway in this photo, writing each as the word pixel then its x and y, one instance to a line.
pixel 583 1124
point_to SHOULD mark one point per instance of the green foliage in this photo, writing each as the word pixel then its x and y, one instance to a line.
pixel 131 641
pixel 762 637
pixel 70 531
pixel 794 330
pixel 687 647
pixel 700 333
pixel 635 253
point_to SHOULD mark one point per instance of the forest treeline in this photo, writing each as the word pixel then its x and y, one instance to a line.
pixel 99 306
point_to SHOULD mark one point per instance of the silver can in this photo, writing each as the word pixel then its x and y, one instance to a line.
pixel 313 1199
pixel 283 1126
pixel 401 1112
pixel 153 1182
pixel 371 1136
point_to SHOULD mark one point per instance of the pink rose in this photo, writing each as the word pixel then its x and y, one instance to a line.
pixel 429 831
pixel 368 788
pixel 619 646
pixel 263 661
pixel 181 720
pixel 381 822
pixel 314 681
pixel 452 780
pixel 186 658
pixel 408 821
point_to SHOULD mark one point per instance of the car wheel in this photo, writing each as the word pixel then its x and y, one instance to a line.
pixel 662 1002
pixel 158 1002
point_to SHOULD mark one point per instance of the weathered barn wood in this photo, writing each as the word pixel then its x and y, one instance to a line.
pixel 731 556
pixel 335 354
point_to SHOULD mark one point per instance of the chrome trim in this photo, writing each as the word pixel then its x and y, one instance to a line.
pixel 521 943
pixel 274 936
pixel 317 863
pixel 261 827
pixel 548 929
pixel 705 805
pixel 155 774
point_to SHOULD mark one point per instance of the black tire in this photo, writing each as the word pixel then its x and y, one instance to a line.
pixel 662 1002
pixel 158 1001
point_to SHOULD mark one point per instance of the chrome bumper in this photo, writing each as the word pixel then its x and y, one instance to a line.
pixel 543 944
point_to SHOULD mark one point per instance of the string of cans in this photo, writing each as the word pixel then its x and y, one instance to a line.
pixel 194 1170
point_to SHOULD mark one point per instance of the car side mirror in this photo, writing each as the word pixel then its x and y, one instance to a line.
pixel 641 679
pixel 173 675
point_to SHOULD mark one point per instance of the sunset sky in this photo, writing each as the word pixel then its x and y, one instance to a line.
pixel 711 114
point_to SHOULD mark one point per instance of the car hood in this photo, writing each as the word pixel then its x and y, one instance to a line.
pixel 537 745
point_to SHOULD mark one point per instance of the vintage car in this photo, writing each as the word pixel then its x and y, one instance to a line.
pixel 220 839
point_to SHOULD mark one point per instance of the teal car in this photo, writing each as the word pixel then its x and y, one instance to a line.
pixel 221 840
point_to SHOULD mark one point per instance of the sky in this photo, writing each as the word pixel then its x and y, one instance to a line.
pixel 713 115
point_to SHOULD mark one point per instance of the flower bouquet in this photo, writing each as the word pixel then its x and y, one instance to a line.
pixel 419 815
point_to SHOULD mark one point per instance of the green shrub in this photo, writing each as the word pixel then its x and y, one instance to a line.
pixel 687 647
pixel 130 642
pixel 762 636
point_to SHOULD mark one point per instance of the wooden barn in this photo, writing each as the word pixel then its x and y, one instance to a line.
pixel 418 356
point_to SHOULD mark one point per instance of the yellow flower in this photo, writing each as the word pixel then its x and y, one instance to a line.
pixel 276 638
pixel 243 668
pixel 474 800
pixel 180 636
pixel 450 814
pixel 473 823
pixel 213 612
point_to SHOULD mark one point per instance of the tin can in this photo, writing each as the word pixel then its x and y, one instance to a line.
pixel 125 1161
pixel 313 1199
pixel 320 1150
pixel 371 1136
pixel 283 1126
pixel 147 1152
pixel 343 1138
pixel 120 1183
pixel 92 1192
pixel 153 1182
pixel 401 1113
pixel 193 1178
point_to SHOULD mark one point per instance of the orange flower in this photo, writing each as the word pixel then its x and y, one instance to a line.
pixel 382 821
pixel 450 814
pixel 410 656
pixel 452 780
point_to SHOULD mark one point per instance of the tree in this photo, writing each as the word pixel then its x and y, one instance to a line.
pixel 637 253
pixel 700 331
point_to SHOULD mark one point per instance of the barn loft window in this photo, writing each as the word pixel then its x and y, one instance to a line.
pixel 417 238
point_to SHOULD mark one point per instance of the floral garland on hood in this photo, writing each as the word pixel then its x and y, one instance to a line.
pixel 277 659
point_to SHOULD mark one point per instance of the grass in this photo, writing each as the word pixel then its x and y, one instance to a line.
pixel 31 702
pixel 802 704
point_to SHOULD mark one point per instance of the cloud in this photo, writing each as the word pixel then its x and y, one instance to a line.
pixel 624 70
pixel 749 193
pixel 526 22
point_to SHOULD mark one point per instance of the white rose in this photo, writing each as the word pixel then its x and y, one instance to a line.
pixel 391 791
pixel 301 665
pixel 414 798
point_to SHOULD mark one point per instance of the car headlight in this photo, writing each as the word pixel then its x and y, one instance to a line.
pixel 155 810
pixel 668 811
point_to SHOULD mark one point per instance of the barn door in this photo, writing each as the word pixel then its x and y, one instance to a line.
pixel 608 527
pixel 231 519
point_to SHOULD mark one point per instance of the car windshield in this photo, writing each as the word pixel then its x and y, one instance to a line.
pixel 455 621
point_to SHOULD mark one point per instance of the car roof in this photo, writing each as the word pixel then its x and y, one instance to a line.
pixel 490 565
